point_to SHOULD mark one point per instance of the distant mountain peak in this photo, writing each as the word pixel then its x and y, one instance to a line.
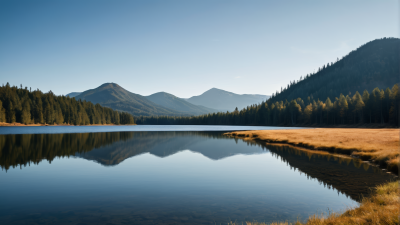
pixel 162 103
pixel 110 85
pixel 224 100
pixel 116 97
pixel 215 89
pixel 163 93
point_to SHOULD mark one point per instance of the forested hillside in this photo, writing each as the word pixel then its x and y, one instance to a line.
pixel 361 88
pixel 380 106
pixel 375 64
pixel 28 107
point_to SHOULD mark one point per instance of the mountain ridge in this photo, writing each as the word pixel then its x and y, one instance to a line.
pixel 73 94
pixel 225 100
pixel 171 101
pixel 374 64
pixel 114 96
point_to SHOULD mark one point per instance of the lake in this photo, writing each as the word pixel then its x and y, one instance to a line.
pixel 96 129
pixel 177 175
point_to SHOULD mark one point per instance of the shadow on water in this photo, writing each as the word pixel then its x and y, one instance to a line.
pixel 347 175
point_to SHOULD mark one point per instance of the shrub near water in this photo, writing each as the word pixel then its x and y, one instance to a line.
pixel 383 207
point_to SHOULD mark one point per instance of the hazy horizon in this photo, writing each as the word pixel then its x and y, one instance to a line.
pixel 179 47
pixel 160 91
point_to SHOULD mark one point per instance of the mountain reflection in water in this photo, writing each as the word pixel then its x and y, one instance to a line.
pixel 347 175
pixel 170 178
pixel 109 148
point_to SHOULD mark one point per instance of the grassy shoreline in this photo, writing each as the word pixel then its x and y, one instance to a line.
pixel 380 146
pixel 383 207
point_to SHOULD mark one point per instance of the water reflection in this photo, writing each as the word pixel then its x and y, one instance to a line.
pixel 23 149
pixel 171 178
pixel 349 176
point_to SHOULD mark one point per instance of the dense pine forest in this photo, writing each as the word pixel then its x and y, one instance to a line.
pixel 380 106
pixel 34 107
pixel 374 64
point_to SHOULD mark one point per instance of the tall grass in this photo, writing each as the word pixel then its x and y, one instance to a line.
pixel 381 208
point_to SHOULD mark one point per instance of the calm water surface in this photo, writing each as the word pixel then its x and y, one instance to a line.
pixel 169 177
pixel 95 129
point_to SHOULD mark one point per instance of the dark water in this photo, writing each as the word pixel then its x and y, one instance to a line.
pixel 169 178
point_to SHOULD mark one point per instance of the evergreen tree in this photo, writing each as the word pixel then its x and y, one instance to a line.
pixel 60 117
pixel 343 107
pixel 24 106
pixel 328 109
pixel 386 104
pixel 26 113
pixel 394 112
pixel 295 110
pixel 2 113
pixel 10 113
pixel 307 113
pixel 358 109
pixel 368 106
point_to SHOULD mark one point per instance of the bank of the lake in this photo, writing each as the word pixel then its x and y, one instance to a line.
pixel 165 176
pixel 381 208
pixel 379 146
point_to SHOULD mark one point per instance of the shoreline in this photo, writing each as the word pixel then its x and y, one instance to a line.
pixel 383 207
pixel 377 146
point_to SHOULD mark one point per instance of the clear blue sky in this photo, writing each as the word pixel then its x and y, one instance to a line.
pixel 181 47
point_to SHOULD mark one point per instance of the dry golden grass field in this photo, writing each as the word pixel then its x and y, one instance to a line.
pixel 380 146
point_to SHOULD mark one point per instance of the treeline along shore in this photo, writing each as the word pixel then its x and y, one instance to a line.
pixel 20 105
pixel 381 106
pixel 378 107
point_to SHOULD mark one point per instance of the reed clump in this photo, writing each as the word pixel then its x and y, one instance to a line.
pixel 383 207
pixel 380 146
